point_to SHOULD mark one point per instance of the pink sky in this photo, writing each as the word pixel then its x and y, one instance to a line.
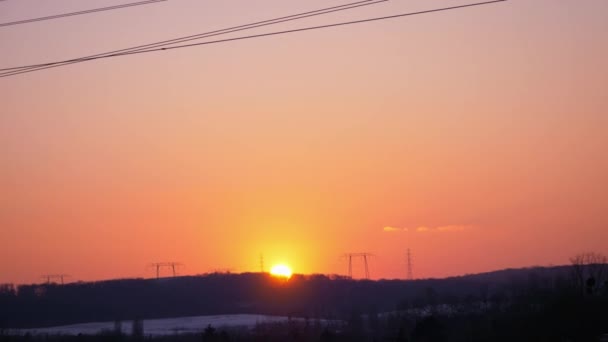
pixel 486 126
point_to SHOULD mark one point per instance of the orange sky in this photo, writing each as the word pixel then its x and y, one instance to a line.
pixel 487 126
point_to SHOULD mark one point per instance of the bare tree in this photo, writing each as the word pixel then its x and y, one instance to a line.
pixel 589 271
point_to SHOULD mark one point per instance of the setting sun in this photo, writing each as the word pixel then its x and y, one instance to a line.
pixel 281 270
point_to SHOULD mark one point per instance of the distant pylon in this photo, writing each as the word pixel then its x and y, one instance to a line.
pixel 410 273
pixel 350 257
pixel 171 265
pixel 50 277
pixel 261 262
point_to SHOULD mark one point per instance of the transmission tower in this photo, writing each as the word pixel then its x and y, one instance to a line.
pixel 262 263
pixel 171 265
pixel 410 273
pixel 49 278
pixel 363 256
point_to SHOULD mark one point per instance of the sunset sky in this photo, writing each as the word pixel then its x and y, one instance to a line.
pixel 478 138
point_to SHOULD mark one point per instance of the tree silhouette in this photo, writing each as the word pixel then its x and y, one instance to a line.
pixel 589 270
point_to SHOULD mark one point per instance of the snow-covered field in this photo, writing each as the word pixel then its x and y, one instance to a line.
pixel 159 326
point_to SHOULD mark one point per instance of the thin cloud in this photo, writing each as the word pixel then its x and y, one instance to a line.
pixel 424 229
pixel 453 228
pixel 394 229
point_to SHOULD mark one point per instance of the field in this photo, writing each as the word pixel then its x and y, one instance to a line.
pixel 158 327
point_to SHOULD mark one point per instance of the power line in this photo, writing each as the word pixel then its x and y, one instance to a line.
pixel 107 55
pixel 94 10
pixel 310 28
pixel 299 30
pixel 201 35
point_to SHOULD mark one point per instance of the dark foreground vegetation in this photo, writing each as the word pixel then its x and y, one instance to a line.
pixel 35 306
pixel 540 304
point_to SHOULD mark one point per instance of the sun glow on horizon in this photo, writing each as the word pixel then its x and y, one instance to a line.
pixel 281 271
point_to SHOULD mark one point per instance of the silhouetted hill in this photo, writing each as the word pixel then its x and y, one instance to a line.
pixel 304 296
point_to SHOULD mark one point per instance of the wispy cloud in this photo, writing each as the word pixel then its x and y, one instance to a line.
pixel 393 229
pixel 454 228
pixel 424 229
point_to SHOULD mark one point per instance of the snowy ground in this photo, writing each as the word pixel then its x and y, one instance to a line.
pixel 159 326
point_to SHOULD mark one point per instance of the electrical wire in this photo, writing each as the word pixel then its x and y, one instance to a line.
pixel 94 10
pixel 209 34
pixel 310 28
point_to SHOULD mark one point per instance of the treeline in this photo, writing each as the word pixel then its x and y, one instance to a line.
pixel 316 296
pixel 541 304
pixel 533 314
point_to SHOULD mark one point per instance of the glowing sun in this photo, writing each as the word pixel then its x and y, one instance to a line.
pixel 281 271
